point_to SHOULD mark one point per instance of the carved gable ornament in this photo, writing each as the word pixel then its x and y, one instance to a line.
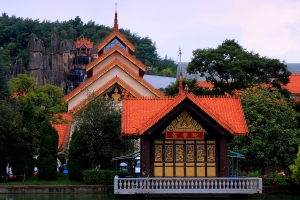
pixel 184 127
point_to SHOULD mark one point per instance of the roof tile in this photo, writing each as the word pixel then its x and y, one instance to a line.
pixel 142 113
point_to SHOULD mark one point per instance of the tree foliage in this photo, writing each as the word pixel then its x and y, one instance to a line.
pixel 23 163
pixel 230 67
pixel 47 159
pixel 273 135
pixel 172 89
pixel 295 168
pixel 96 139
pixel 47 99
pixel 15 34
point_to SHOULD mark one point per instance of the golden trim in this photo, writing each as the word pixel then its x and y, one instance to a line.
pixel 179 142
pixel 158 141
pixel 211 164
pixel 169 164
pixel 179 164
pixel 200 164
pixel 211 142
pixel 190 164
pixel 168 142
pixel 158 164
pixel 200 142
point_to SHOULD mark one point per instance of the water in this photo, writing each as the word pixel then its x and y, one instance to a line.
pixel 112 197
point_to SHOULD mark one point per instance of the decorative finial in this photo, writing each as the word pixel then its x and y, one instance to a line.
pixel 180 60
pixel 180 89
pixel 116 19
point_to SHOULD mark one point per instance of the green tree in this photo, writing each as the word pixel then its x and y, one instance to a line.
pixel 172 89
pixel 230 67
pixel 23 163
pixel 47 99
pixel 4 89
pixel 22 84
pixel 47 159
pixel 11 129
pixel 295 168
pixel 273 135
pixel 97 137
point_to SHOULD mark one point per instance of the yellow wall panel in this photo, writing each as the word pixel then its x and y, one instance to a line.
pixel 190 171
pixel 179 171
pixel 169 171
pixel 211 171
pixel 200 171
pixel 158 171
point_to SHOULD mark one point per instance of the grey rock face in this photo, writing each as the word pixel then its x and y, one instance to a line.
pixel 36 44
pixel 18 68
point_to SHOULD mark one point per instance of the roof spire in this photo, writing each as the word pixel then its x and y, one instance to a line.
pixel 180 89
pixel 116 19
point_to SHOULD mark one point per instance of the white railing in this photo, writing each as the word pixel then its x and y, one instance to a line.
pixel 215 185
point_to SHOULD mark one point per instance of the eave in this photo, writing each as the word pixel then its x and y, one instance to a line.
pixel 111 36
pixel 121 51
pixel 114 63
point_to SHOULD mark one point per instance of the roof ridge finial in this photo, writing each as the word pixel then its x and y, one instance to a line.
pixel 180 74
pixel 116 19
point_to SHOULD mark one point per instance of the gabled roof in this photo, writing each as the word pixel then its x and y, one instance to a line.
pixel 116 33
pixel 140 114
pixel 115 80
pixel 63 129
pixel 120 36
pixel 108 67
pixel 118 49
pixel 294 85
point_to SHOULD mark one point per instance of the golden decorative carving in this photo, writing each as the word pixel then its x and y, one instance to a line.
pixel 200 153
pixel 211 142
pixel 185 122
pixel 168 153
pixel 210 153
pixel 179 153
pixel 179 142
pixel 190 153
pixel 168 142
pixel 158 153
pixel 113 93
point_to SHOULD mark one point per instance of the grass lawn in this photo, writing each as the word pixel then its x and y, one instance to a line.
pixel 61 179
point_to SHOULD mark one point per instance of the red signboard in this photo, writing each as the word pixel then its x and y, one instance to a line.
pixel 184 135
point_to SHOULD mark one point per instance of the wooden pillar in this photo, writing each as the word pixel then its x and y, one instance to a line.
pixel 145 156
pixel 223 157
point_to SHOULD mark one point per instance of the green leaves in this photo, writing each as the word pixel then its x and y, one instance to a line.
pixel 230 67
pixel 272 122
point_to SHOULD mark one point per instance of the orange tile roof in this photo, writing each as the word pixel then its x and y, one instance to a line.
pixel 63 130
pixel 138 115
pixel 294 85
pixel 205 84
pixel 111 36
pixel 121 51
pixel 114 63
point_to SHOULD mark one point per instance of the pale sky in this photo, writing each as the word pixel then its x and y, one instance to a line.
pixel 268 27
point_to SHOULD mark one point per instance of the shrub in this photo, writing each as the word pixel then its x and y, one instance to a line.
pixel 93 176
pixel 123 173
